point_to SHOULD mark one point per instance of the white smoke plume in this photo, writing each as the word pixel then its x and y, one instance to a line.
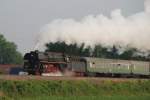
pixel 132 30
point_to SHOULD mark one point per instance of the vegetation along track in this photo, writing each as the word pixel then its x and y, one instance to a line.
pixel 77 88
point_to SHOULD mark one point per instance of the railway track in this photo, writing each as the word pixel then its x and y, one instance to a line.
pixel 30 77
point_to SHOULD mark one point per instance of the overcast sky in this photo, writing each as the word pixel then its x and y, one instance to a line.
pixel 21 20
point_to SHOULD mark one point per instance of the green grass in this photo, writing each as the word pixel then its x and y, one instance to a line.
pixel 113 97
pixel 74 90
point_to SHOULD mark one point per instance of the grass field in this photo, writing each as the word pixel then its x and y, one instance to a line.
pixel 74 90
pixel 114 97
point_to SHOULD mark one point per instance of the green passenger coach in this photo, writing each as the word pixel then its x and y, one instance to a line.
pixel 117 67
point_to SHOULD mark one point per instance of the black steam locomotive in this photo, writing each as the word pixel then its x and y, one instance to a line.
pixel 51 63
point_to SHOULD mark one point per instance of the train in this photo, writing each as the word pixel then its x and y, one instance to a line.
pixel 60 64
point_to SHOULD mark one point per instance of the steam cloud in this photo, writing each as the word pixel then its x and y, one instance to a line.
pixel 132 30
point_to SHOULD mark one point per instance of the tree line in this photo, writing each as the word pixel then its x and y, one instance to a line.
pixel 10 55
pixel 8 52
pixel 98 50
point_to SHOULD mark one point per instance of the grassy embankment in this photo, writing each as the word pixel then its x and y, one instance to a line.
pixel 74 90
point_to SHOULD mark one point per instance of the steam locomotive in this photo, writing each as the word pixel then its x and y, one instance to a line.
pixel 60 64
pixel 51 63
